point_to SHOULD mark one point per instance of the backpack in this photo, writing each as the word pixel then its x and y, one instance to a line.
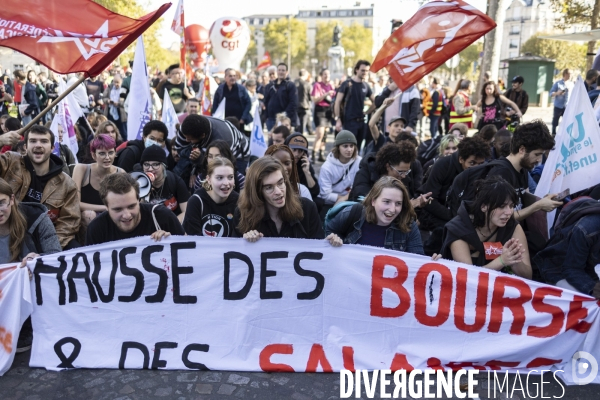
pixel 355 214
pixel 136 152
pixel 345 91
pixel 576 209
pixel 428 149
pixel 463 187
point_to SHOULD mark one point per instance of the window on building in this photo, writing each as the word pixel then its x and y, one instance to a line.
pixel 260 21
pixel 514 43
pixel 515 29
pixel 369 12
pixel 332 13
pixel 343 13
pixel 318 13
pixel 366 23
pixel 517 12
pixel 512 54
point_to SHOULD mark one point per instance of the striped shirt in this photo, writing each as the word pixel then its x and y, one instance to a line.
pixel 220 130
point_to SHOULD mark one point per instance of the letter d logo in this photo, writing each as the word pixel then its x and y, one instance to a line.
pixel 580 366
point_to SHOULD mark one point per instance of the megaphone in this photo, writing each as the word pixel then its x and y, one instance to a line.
pixel 145 183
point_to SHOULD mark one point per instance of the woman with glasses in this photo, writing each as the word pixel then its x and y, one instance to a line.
pixel 218 148
pixel 270 207
pixel 87 177
pixel 484 232
pixel 105 128
pixel 168 189
pixel 391 160
pixel 384 219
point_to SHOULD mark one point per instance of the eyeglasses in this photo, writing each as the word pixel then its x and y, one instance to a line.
pixel 4 205
pixel 269 189
pixel 401 173
pixel 154 165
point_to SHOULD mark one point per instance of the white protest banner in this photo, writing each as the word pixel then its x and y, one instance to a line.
pixel 169 115
pixel 573 162
pixel 15 307
pixel 191 302
pixel 139 109
pixel 258 146
pixel 220 112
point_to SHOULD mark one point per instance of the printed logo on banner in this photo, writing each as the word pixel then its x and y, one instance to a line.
pixel 96 45
pixel 581 363
pixel 577 143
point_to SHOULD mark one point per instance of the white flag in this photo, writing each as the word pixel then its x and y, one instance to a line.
pixel 573 162
pixel 176 25
pixel 258 146
pixel 68 114
pixel 169 116
pixel 220 113
pixel 139 109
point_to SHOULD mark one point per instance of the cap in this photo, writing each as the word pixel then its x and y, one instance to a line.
pixel 518 79
pixel 297 141
pixel 345 137
pixel 397 118
pixel 154 153
pixel 464 129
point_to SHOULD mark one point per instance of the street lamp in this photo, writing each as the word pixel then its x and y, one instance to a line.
pixel 314 63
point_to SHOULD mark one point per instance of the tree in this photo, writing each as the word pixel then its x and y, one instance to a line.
pixel 276 40
pixel 566 54
pixel 156 55
pixel 358 39
pixel 578 12
pixel 252 52
pixel 465 66
pixel 323 40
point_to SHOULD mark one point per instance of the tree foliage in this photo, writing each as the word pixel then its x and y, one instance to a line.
pixel 156 55
pixel 252 52
pixel 566 54
pixel 276 40
pixel 323 40
pixel 468 57
pixel 572 12
pixel 358 39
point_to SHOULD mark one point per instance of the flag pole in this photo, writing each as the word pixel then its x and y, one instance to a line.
pixel 51 105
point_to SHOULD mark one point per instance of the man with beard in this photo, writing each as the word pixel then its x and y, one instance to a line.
pixel 527 147
pixel 38 177
pixel 125 217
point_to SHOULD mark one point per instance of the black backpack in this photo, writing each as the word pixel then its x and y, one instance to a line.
pixel 463 187
pixel 137 153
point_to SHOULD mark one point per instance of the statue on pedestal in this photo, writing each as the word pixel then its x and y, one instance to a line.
pixel 336 54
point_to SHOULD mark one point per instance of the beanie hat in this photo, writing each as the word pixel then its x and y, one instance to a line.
pixel 462 128
pixel 154 153
pixel 345 137
pixel 297 141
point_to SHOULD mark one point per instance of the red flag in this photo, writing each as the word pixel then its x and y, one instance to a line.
pixel 70 35
pixel 265 62
pixel 438 31
pixel 178 26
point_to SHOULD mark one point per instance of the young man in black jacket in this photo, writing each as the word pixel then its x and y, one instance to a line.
pixel 281 96
pixel 471 152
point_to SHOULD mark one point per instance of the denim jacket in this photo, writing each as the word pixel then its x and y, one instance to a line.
pixel 395 239
pixel 581 242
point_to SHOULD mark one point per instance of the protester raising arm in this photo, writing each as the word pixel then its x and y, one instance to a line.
pixel 377 116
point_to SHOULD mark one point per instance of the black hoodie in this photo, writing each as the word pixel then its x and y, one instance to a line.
pixel 38 183
pixel 204 217
pixel 461 228
pixel 130 155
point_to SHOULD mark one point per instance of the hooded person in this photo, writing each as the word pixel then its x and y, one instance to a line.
pixel 338 171
pixel 306 174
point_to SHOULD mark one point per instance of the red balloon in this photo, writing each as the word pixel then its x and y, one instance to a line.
pixel 197 43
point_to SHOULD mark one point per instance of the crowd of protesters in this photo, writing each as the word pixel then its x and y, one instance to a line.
pixel 453 192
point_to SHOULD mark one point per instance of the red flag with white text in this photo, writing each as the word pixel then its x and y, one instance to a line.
pixel 206 98
pixel 70 35
pixel 437 31
pixel 265 62
pixel 178 26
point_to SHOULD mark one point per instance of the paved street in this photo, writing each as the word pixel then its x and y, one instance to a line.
pixel 22 382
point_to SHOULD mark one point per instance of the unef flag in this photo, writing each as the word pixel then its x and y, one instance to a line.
pixel 139 109
pixel 438 31
pixel 178 26
pixel 70 35
pixel 64 121
pixel 573 162
pixel 258 146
